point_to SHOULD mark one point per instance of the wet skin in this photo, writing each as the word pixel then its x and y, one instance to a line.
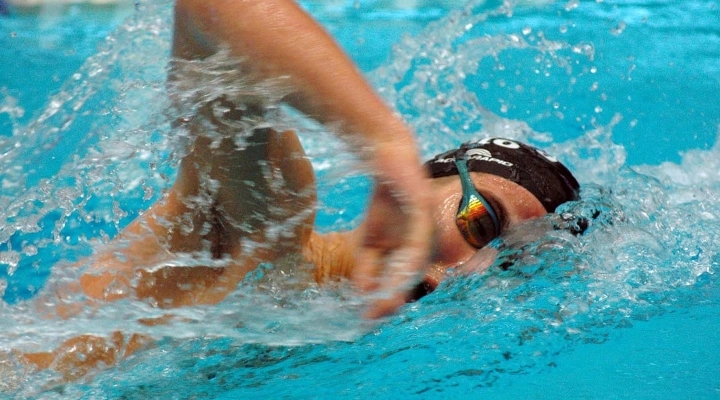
pixel 451 250
pixel 389 249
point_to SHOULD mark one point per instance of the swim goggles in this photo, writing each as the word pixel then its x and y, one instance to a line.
pixel 476 219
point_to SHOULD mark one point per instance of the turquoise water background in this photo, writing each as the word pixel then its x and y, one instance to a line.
pixel 624 92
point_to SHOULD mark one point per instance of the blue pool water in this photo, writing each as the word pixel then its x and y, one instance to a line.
pixel 623 92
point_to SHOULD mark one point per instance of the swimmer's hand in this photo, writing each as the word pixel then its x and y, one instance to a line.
pixel 396 236
pixel 277 38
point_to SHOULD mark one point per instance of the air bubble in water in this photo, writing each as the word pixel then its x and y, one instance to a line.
pixel 618 29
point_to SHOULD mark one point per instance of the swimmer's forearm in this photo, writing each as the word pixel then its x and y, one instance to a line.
pixel 279 39
pixel 276 38
pixel 82 354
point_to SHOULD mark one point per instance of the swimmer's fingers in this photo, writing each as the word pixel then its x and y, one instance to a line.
pixel 396 240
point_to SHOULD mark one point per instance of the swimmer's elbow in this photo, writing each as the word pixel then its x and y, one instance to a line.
pixel 190 39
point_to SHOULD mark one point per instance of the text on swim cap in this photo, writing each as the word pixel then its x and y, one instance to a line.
pixel 509 144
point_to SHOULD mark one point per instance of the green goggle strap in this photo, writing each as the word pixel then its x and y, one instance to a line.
pixel 469 191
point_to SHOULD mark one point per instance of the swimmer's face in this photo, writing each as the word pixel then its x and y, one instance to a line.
pixel 512 203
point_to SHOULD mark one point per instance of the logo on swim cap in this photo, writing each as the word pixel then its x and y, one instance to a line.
pixel 478 153
pixel 485 155
pixel 541 174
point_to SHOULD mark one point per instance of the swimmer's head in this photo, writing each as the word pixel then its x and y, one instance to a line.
pixel 540 174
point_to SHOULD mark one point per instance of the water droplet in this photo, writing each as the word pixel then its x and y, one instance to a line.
pixel 617 30
pixel 30 250
pixel 571 5
pixel 563 28
pixel 148 193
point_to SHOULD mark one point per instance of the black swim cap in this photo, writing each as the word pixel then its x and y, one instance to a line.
pixel 542 175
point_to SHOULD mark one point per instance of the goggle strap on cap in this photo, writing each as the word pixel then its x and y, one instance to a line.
pixel 543 176
pixel 469 192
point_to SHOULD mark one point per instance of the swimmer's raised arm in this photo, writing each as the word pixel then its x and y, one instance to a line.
pixel 141 261
pixel 277 38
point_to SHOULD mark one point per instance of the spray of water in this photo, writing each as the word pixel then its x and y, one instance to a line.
pixel 98 155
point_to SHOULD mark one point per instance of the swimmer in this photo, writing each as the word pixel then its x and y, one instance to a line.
pixel 422 220
pixel 477 191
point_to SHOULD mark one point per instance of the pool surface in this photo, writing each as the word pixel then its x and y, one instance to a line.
pixel 622 92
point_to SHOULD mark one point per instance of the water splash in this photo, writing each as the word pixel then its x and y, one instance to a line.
pixel 60 171
pixel 650 245
pixel 10 106
pixel 106 148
